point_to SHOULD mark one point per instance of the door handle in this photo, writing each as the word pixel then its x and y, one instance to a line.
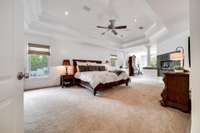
pixel 22 75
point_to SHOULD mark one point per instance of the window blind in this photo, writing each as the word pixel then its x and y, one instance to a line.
pixel 113 56
pixel 38 49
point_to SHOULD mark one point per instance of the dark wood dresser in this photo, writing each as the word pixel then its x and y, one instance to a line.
pixel 176 91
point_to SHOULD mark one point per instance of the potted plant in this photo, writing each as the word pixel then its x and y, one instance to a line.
pixel 178 69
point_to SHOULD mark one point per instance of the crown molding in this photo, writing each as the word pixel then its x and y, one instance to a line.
pixel 38 21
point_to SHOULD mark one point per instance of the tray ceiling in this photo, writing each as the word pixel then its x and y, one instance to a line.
pixel 84 15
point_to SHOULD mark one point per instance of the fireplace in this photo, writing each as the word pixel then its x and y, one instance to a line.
pixel 166 63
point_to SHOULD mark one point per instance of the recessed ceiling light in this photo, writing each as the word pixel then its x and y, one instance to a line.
pixel 66 13
pixel 135 20
pixel 86 8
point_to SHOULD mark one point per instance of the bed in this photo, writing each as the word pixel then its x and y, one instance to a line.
pixel 98 80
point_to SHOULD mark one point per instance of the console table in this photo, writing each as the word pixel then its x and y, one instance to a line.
pixel 176 91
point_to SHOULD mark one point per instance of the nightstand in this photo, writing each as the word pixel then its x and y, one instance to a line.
pixel 67 80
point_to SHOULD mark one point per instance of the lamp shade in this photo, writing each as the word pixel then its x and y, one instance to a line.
pixel 66 62
pixel 176 56
pixel 70 70
pixel 61 70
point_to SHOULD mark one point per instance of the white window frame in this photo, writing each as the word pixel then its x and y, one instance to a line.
pixel 29 65
pixel 113 57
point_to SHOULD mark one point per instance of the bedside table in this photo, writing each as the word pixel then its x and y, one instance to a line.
pixel 67 80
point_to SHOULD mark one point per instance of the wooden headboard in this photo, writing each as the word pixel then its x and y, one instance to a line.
pixel 80 60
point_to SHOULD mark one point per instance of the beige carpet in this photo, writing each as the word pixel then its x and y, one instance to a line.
pixel 133 109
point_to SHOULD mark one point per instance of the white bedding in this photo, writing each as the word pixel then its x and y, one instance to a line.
pixel 97 77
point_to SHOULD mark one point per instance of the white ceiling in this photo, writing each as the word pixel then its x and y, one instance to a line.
pixel 48 16
pixel 173 13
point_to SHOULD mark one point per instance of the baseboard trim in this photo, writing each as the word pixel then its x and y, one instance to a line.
pixel 39 88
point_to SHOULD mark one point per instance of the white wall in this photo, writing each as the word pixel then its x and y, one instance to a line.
pixel 53 78
pixel 79 50
pixel 195 54
pixel 66 49
pixel 172 43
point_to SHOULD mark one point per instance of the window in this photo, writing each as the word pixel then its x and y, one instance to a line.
pixel 153 57
pixel 113 60
pixel 153 61
pixel 38 56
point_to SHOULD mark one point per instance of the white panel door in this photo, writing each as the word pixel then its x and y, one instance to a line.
pixel 11 62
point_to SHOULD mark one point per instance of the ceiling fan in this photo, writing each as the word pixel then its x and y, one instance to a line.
pixel 111 27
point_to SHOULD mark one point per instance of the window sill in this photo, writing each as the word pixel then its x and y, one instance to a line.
pixel 150 68
pixel 42 77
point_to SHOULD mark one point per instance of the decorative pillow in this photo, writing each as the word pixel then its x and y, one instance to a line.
pixel 80 64
pixel 91 63
pixel 93 68
pixel 90 66
pixel 102 68
pixel 96 68
pixel 83 68
pixel 94 64
pixel 110 68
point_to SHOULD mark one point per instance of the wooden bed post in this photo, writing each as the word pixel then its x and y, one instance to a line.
pixel 127 83
pixel 94 92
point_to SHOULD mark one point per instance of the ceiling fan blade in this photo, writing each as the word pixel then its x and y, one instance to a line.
pixel 105 32
pixel 121 27
pixel 103 27
pixel 114 32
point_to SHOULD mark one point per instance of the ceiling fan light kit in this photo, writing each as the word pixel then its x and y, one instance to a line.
pixel 86 8
pixel 141 27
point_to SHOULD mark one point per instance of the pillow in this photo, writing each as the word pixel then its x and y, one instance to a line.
pixel 78 63
pixel 91 63
pixel 102 68
pixel 110 68
pixel 83 68
pixel 93 68
pixel 96 68
pixel 94 64
pixel 90 66
pixel 81 63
